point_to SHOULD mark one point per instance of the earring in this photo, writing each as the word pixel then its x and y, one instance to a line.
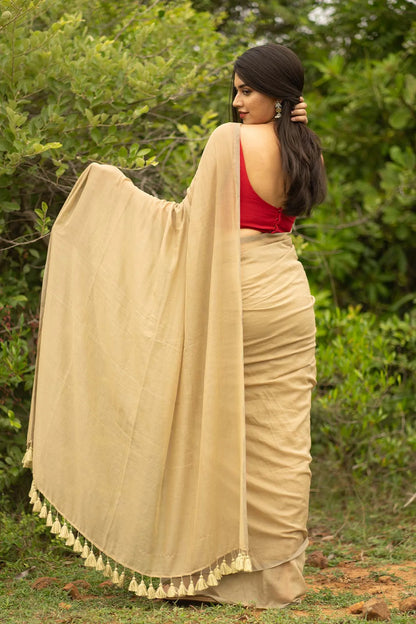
pixel 278 108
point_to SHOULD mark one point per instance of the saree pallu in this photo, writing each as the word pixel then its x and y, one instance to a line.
pixel 136 434
pixel 279 374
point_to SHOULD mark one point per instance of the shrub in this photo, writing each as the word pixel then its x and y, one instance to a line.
pixel 363 410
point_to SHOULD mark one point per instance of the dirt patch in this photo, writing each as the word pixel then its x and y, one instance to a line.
pixel 391 582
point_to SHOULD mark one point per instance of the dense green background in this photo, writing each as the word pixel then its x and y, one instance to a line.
pixel 141 85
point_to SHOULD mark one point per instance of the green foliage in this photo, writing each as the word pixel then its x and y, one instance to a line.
pixel 21 537
pixel 16 373
pixel 81 82
pixel 363 411
pixel 362 238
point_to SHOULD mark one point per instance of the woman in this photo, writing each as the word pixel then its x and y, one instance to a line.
pixel 282 176
pixel 169 421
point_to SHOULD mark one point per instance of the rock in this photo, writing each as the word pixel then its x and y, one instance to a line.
pixel 73 591
pixel 82 583
pixel 407 604
pixel 317 559
pixel 357 607
pixel 376 609
pixel 44 581
pixel 106 584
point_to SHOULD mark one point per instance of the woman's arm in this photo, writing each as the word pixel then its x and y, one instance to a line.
pixel 299 112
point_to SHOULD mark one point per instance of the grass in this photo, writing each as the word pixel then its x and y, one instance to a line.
pixel 344 529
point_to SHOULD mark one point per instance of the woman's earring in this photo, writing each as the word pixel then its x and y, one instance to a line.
pixel 278 108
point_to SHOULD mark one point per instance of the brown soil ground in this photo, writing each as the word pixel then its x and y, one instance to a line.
pixel 389 582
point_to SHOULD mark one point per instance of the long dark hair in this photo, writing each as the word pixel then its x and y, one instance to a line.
pixel 276 71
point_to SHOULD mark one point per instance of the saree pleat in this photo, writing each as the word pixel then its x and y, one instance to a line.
pixel 279 374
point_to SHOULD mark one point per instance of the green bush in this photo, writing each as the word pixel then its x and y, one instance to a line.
pixel 363 412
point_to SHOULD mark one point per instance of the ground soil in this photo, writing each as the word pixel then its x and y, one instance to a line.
pixel 389 582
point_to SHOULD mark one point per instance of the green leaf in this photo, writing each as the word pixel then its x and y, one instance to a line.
pixel 400 118
pixel 409 94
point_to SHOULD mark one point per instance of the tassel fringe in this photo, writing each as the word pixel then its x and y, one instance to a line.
pixel 182 589
pixel 99 566
pixel 56 527
pixel 108 573
pixel 225 568
pixel 37 507
pixel 160 592
pixel 133 587
pixel 91 561
pixel 191 588
pixel 151 593
pixel 64 533
pixel 240 562
pixel 27 460
pixel 115 578
pixel 201 584
pixel 172 591
pixel 217 572
pixel 141 590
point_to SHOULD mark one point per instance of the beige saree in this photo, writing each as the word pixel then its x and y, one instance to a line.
pixel 143 385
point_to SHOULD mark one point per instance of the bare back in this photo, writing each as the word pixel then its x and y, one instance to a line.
pixel 262 158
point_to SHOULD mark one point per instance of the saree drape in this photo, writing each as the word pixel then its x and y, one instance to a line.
pixel 137 431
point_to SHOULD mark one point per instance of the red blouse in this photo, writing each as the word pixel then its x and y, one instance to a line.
pixel 257 214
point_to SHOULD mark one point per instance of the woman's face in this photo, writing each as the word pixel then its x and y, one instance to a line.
pixel 253 107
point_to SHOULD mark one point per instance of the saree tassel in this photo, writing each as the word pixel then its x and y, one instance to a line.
pixel 115 577
pixel 239 562
pixel 233 566
pixel 141 590
pixel 32 489
pixel 43 512
pixel 247 564
pixel 37 507
pixel 85 551
pixel 133 583
pixel 77 547
pixel 49 519
pixel 108 573
pixel 217 572
pixel 191 588
pixel 121 579
pixel 151 593
pixel 34 497
pixel 211 580
pixel 182 589
pixel 70 541
pixel 64 533
pixel 99 566
pixel 27 460
pixel 90 561
pixel 56 527
pixel 225 568
pixel 160 592
pixel 201 584
pixel 172 591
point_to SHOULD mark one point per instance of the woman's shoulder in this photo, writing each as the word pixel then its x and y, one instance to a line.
pixel 225 129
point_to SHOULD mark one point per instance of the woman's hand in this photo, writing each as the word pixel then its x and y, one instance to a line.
pixel 299 112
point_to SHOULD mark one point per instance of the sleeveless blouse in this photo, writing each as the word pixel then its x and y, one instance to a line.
pixel 257 214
